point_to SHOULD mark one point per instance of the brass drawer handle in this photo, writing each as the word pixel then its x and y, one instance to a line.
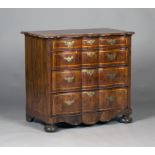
pixel 111 99
pixel 112 76
pixel 69 102
pixel 90 42
pixel 69 43
pixel 68 58
pixel 111 56
pixel 90 72
pixel 90 94
pixel 90 54
pixel 111 41
pixel 69 79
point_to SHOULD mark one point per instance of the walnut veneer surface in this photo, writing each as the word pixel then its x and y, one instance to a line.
pixel 78 76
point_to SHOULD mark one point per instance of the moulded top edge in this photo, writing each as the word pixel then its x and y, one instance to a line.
pixel 77 33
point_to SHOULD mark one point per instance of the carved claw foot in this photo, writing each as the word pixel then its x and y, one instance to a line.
pixel 29 118
pixel 50 128
pixel 125 119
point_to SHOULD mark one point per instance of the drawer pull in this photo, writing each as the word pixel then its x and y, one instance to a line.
pixel 111 76
pixel 68 58
pixel 69 102
pixel 90 72
pixel 90 54
pixel 111 41
pixel 90 42
pixel 69 43
pixel 111 56
pixel 69 79
pixel 90 94
pixel 111 99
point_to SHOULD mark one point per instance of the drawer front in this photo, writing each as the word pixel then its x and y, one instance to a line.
pixel 113 98
pixel 66 103
pixel 89 42
pixel 90 58
pixel 113 41
pixel 66 59
pixel 113 76
pixel 66 80
pixel 66 43
pixel 89 101
pixel 89 78
pixel 107 57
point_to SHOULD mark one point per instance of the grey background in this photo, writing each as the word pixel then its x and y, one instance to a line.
pixel 15 131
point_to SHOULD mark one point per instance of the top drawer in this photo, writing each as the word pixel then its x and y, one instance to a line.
pixel 89 43
pixel 113 41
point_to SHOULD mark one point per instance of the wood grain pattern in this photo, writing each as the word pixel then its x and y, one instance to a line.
pixel 89 58
pixel 66 80
pixel 89 78
pixel 113 99
pixel 79 77
pixel 113 76
pixel 90 42
pixel 77 33
pixel 113 41
pixel 66 103
pixel 90 117
pixel 37 86
pixel 66 44
pixel 115 56
pixel 90 101
pixel 65 59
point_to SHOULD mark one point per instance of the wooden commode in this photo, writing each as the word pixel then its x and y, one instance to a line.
pixel 78 76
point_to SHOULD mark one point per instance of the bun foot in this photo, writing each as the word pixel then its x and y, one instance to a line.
pixel 29 118
pixel 50 128
pixel 125 119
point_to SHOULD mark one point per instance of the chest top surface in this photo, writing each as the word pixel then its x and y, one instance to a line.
pixel 76 33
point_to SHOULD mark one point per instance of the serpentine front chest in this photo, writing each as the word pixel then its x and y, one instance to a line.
pixel 78 76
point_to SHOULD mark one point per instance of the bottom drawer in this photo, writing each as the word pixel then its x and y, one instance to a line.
pixel 89 101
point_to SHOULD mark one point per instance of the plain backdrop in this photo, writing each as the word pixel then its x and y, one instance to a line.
pixel 12 67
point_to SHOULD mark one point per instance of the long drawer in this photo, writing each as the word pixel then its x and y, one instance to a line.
pixel 88 58
pixel 89 43
pixel 68 80
pixel 88 101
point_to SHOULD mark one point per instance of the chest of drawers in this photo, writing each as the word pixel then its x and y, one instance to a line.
pixel 78 76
